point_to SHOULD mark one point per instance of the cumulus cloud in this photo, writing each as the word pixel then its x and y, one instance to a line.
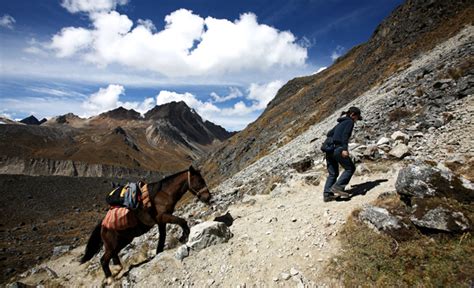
pixel 7 21
pixel 336 53
pixel 71 40
pixel 263 94
pixel 259 95
pixel 89 6
pixel 234 93
pixel 104 99
pixel 109 98
pixel 189 45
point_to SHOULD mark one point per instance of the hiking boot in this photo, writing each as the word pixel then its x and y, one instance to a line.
pixel 329 197
pixel 339 192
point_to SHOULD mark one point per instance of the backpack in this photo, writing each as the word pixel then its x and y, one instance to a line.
pixel 125 196
pixel 328 144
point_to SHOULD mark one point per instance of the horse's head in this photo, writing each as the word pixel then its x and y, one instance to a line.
pixel 197 185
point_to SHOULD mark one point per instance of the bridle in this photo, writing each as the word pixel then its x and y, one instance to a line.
pixel 194 191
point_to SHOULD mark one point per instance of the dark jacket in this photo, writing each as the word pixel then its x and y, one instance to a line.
pixel 342 132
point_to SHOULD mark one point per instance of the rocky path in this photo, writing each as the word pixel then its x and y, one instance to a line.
pixel 283 239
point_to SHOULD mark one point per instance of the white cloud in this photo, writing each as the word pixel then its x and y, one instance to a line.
pixel 320 70
pixel 103 100
pixel 263 94
pixel 234 93
pixel 70 41
pixel 258 95
pixel 337 52
pixel 189 45
pixel 108 98
pixel 75 6
pixel 56 92
pixel 7 21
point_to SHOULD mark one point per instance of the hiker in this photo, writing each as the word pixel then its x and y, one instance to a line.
pixel 337 152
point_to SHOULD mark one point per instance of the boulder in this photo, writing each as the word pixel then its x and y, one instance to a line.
pixel 303 165
pixel 436 214
pixel 372 152
pixel 207 234
pixel 400 151
pixel 383 140
pixel 423 180
pixel 381 220
pixel 399 135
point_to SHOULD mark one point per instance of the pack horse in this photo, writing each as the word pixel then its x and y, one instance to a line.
pixel 159 201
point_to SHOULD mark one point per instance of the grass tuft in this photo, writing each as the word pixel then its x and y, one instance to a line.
pixel 372 259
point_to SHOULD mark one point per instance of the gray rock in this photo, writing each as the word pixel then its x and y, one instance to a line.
pixel 422 180
pixel 58 250
pixel 400 151
pixel 434 214
pixel 384 140
pixel 207 234
pixel 182 252
pixel 379 218
pixel 285 276
pixel 399 135
pixel 303 165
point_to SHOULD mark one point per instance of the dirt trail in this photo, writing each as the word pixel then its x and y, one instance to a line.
pixel 283 239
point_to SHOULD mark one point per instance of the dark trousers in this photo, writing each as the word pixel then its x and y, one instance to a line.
pixel 333 160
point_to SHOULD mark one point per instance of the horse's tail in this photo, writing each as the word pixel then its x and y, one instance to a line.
pixel 93 245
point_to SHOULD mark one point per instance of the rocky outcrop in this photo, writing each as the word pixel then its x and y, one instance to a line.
pixel 51 167
pixel 436 214
pixel 207 234
pixel 423 181
pixel 436 201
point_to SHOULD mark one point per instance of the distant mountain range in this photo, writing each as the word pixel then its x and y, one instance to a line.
pixel 168 138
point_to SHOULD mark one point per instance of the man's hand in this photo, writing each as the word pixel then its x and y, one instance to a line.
pixel 345 153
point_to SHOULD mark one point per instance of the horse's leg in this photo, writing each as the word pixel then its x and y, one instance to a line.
pixel 109 238
pixel 116 261
pixel 161 241
pixel 104 261
pixel 168 218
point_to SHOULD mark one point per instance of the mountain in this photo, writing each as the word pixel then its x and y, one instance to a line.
pixel 167 139
pixel 412 29
pixel 32 120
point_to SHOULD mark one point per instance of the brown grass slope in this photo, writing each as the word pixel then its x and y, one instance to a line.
pixel 413 28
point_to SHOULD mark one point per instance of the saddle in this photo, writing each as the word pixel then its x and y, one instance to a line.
pixel 128 196
pixel 125 199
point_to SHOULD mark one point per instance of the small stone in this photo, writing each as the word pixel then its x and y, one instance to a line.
pixel 285 276
pixel 293 219
pixel 294 272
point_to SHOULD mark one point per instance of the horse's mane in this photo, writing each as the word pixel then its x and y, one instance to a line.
pixel 169 177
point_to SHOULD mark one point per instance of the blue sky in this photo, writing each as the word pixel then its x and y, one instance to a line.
pixel 226 59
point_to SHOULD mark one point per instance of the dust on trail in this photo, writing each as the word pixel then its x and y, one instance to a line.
pixel 284 239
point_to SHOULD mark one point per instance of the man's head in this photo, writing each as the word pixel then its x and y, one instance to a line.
pixel 354 113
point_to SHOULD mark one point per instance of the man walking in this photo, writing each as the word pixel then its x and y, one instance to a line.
pixel 340 134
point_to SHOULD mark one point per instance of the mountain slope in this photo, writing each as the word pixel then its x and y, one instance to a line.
pixel 169 138
pixel 412 29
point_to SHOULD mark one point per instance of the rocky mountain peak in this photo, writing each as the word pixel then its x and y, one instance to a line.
pixel 32 120
pixel 171 110
pixel 121 113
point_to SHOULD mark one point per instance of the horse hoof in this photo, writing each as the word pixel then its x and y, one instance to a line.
pixel 108 281
pixel 116 269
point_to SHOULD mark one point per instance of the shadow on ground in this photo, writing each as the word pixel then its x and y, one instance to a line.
pixel 362 188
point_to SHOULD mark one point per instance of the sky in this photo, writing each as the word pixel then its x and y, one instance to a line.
pixel 225 59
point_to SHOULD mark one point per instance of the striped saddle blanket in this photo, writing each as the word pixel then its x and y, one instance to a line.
pixel 119 218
